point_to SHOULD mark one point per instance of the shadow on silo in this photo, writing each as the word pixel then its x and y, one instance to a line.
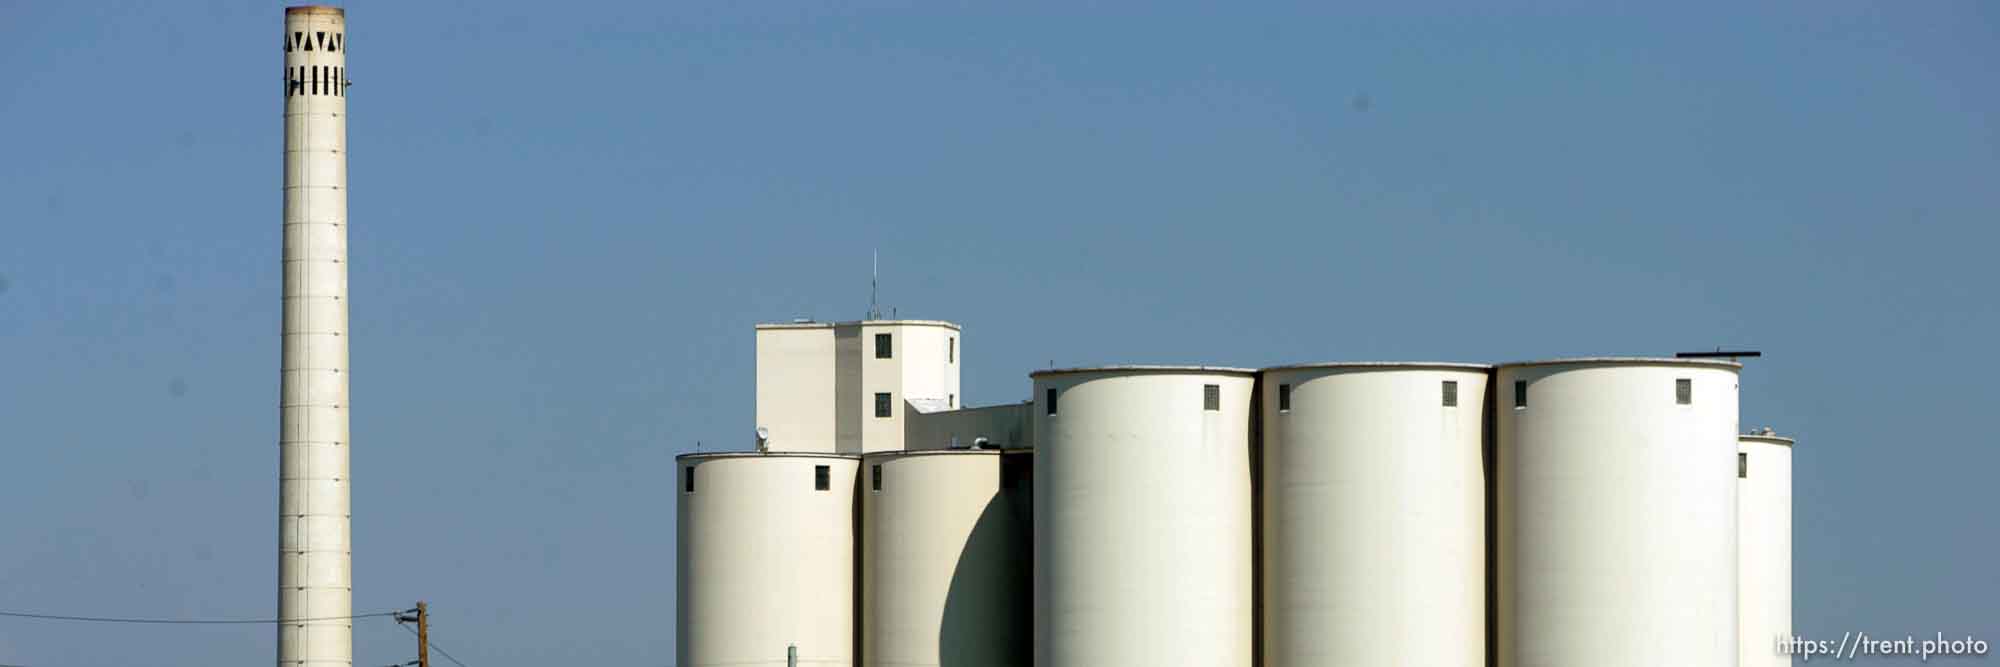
pixel 988 613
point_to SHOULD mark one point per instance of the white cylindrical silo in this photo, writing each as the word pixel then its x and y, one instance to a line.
pixel 1764 548
pixel 944 561
pixel 1142 516
pixel 1374 514
pixel 765 559
pixel 315 554
pixel 1616 512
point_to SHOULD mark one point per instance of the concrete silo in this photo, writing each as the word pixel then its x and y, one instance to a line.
pixel 1143 516
pixel 1374 491
pixel 1764 548
pixel 1616 512
pixel 765 559
pixel 945 561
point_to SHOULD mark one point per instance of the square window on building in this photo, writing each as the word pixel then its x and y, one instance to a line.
pixel 1684 391
pixel 882 407
pixel 1451 393
pixel 1050 402
pixel 883 346
pixel 875 473
pixel 1284 398
pixel 1520 393
pixel 1211 397
pixel 687 474
pixel 822 478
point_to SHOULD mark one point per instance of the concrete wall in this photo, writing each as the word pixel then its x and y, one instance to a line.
pixel 881 376
pixel 930 366
pixel 796 381
pixel 1004 426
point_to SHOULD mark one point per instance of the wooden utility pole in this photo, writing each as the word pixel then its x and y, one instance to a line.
pixel 422 617
pixel 423 635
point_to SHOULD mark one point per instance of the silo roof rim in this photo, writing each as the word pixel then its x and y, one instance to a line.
pixel 1143 368
pixel 774 455
pixel 1630 361
pixel 1773 439
pixel 1448 365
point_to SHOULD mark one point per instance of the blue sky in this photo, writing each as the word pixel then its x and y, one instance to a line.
pixel 566 220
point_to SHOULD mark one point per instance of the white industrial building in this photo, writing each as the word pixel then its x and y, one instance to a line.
pixel 1552 513
pixel 843 387
pixel 1563 512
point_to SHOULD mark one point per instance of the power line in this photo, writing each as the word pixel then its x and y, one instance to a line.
pixel 434 646
pixel 186 621
pixel 447 656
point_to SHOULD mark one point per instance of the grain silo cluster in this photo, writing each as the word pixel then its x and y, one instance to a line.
pixel 1566 512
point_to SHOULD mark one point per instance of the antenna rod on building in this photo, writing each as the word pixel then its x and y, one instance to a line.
pixel 874 277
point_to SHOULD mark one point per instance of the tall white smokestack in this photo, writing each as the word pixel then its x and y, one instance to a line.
pixel 315 584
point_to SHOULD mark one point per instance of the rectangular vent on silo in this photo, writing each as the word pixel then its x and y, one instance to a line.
pixel 1520 393
pixel 1684 391
pixel 875 473
pixel 687 485
pixel 1211 397
pixel 822 478
pixel 1051 409
pixel 1284 398
pixel 1742 465
pixel 1451 393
